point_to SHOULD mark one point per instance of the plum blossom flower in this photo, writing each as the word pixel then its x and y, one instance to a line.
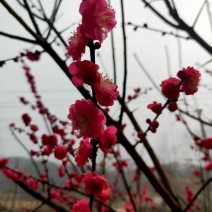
pixel 97 19
pixel 84 72
pixel 153 206
pixel 97 186
pixel 190 80
pixel 155 107
pixel 81 206
pixel 189 194
pixel 3 162
pixel 86 119
pixel 34 184
pixel 172 106
pixel 60 152
pixel 207 143
pixel 26 119
pixel 83 152
pixel 33 56
pixel 106 91
pixel 77 43
pixel 208 166
pixel 61 171
pixel 107 139
pixel 128 207
pixel 196 173
pixel 49 140
pixel 170 88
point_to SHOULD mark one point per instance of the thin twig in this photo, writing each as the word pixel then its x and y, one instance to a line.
pixel 113 55
pixel 199 13
pixel 168 61
pixel 32 18
pixel 125 62
pixel 146 72
pixel 180 59
pixel 197 194
pixel 157 30
pixel 24 147
pixel 159 14
pixel 18 38
pixel 125 182
pixel 181 25
pixel 38 207
pixel 209 15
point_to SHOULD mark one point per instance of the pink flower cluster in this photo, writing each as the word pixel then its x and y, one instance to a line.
pixel 87 120
pixel 97 186
pixel 87 72
pixel 98 19
pixel 33 56
pixel 81 205
pixel 188 83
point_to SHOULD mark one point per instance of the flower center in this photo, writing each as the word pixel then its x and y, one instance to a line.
pixel 106 82
pixel 74 39
pixel 81 123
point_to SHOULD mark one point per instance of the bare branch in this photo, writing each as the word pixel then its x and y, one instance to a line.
pixel 158 30
pixel 18 38
pixel 125 63
pixel 160 15
pixel 183 26
pixel 20 20
pixel 199 13
pixel 113 55
pixel 195 118
pixel 32 17
pixel 168 61
pixel 209 14
pixel 55 10
pixel 197 194
pixel 40 196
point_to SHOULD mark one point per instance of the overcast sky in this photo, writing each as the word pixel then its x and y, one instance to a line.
pixel 58 93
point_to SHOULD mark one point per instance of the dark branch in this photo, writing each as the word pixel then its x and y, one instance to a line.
pixel 125 63
pixel 199 13
pixel 42 197
pixel 32 17
pixel 197 194
pixel 159 15
pixel 18 38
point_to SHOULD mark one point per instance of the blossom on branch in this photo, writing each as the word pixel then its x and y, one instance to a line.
pixel 49 140
pixel 77 43
pixel 108 139
pixel 26 119
pixel 97 19
pixel 3 162
pixel 97 186
pixel 33 56
pixel 84 72
pixel 83 152
pixel 155 107
pixel 60 152
pixel 170 88
pixel 172 106
pixel 81 206
pixel 61 171
pixel 207 143
pixel 86 119
pixel 106 91
pixel 190 80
